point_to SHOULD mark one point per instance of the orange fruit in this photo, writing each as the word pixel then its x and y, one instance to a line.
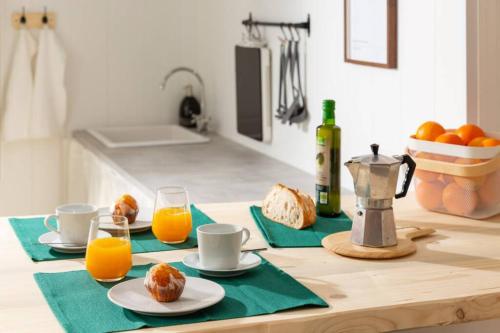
pixel 429 194
pixel 477 142
pixel 467 161
pixel 435 157
pixel 491 142
pixel 490 191
pixel 426 176
pixel 469 183
pixel 427 156
pixel 446 179
pixel 459 201
pixel 429 131
pixel 468 132
pixel 450 138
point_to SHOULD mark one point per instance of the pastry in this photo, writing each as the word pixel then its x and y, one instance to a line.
pixel 127 206
pixel 164 282
pixel 289 207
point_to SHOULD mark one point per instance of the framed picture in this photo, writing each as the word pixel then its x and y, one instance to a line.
pixel 370 32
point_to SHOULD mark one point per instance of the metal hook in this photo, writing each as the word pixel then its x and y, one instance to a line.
pixel 250 23
pixel 297 33
pixel 257 36
pixel 23 16
pixel 291 33
pixel 285 38
pixel 249 30
pixel 45 19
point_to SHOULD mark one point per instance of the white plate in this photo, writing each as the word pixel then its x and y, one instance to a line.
pixel 137 226
pixel 52 239
pixel 198 294
pixel 248 260
pixel 141 224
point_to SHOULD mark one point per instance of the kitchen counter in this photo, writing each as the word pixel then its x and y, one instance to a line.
pixel 218 171
pixel 453 278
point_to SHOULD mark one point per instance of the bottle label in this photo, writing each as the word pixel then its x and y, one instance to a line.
pixel 322 170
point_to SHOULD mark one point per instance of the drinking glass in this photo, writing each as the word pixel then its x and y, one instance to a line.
pixel 109 259
pixel 172 221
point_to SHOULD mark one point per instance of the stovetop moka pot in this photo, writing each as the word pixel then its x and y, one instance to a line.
pixel 375 180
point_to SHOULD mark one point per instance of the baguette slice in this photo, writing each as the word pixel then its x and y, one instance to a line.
pixel 289 207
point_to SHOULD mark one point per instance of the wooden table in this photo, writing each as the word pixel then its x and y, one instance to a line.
pixel 454 277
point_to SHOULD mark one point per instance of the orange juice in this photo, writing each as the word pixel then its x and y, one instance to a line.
pixel 109 259
pixel 172 225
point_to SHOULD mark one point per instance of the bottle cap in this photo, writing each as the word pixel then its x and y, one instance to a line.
pixel 328 105
pixel 328 110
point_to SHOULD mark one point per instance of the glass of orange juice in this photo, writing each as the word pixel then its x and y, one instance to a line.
pixel 109 259
pixel 172 221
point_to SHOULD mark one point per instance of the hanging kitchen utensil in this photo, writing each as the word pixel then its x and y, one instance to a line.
pixel 296 112
pixel 289 49
pixel 300 113
pixel 282 92
pixel 289 110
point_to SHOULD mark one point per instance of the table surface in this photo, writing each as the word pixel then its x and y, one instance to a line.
pixel 453 278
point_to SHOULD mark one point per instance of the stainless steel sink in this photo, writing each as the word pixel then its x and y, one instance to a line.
pixel 144 136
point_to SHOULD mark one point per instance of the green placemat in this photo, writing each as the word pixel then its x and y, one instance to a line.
pixel 28 230
pixel 278 235
pixel 81 304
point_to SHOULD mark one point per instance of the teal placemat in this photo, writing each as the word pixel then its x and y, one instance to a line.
pixel 28 231
pixel 278 235
pixel 81 304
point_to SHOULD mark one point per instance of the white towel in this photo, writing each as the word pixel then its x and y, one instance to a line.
pixel 49 93
pixel 18 98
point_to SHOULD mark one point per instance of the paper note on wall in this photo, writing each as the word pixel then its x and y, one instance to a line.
pixel 368 30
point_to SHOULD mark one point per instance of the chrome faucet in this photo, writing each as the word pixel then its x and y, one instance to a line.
pixel 202 119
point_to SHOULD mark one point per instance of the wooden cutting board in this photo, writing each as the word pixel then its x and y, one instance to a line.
pixel 340 243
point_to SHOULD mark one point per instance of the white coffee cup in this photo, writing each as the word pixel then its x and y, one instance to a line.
pixel 220 245
pixel 73 222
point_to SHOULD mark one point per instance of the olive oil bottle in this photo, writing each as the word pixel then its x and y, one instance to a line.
pixel 328 163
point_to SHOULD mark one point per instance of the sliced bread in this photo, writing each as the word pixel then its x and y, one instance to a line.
pixel 289 207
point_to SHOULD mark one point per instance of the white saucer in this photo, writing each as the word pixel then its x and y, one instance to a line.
pixel 137 226
pixel 198 294
pixel 248 260
pixel 52 239
pixel 141 224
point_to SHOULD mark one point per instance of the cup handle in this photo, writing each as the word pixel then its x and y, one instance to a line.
pixel 246 236
pixel 47 224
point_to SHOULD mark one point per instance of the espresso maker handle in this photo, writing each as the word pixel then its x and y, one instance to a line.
pixel 408 176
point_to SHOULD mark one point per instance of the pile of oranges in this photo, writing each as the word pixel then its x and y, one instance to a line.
pixel 466 135
pixel 455 194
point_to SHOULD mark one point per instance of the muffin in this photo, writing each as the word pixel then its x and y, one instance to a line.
pixel 164 282
pixel 126 206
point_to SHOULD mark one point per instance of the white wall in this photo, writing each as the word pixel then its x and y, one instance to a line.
pixel 483 67
pixel 117 51
pixel 373 105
